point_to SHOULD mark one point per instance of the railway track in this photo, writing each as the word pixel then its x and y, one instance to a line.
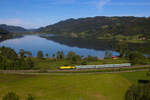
pixel 101 70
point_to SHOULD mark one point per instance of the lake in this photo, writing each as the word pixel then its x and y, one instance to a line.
pixel 34 43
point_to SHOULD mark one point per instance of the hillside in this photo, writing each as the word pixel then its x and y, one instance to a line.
pixel 97 27
pixel 12 28
pixel 4 34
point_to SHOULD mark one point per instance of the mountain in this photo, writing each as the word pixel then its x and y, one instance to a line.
pixel 4 34
pixel 100 26
pixel 12 28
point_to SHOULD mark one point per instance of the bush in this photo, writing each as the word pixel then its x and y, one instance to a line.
pixel 139 92
pixel 40 54
pixel 91 58
pixel 10 96
pixel 137 58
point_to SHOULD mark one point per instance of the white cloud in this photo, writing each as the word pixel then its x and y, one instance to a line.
pixel 102 3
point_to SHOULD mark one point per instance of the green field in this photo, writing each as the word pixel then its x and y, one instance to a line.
pixel 51 64
pixel 86 86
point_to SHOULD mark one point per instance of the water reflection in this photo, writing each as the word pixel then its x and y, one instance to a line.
pixel 35 43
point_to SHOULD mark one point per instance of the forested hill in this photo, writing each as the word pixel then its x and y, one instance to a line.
pixel 4 34
pixel 12 28
pixel 96 27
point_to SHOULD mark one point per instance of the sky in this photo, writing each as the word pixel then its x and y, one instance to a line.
pixel 39 13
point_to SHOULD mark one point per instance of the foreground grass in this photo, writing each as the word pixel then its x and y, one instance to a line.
pixel 70 86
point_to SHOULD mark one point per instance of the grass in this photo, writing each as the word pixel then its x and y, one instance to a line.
pixel 52 64
pixel 133 77
pixel 70 86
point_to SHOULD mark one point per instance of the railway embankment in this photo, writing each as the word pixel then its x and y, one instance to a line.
pixel 100 70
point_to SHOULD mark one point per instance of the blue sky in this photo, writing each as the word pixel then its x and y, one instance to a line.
pixel 37 13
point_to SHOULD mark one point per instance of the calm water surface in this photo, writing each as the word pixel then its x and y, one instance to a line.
pixel 34 43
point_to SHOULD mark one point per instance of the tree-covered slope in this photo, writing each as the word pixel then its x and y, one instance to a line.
pixel 12 28
pixel 95 27
pixel 4 34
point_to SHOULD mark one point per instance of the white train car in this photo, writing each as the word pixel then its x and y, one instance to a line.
pixel 103 66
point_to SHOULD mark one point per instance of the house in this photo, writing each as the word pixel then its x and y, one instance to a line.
pixel 114 57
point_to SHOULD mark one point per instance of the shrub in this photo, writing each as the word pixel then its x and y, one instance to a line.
pixel 139 92
pixel 10 96
pixel 137 58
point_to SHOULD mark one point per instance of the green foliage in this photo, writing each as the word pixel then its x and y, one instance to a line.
pixel 108 54
pixel 40 54
pixel 91 58
pixel 70 55
pixel 76 59
pixel 46 55
pixel 53 55
pixel 122 48
pixel 137 58
pixel 60 55
pixel 10 96
pixel 8 53
pixel 9 60
pixel 29 63
pixel 139 92
pixel 101 26
pixel 23 53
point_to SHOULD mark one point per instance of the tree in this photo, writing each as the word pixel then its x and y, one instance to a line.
pixel 138 92
pixel 53 55
pixel 29 53
pixel 91 58
pixel 29 63
pixel 10 96
pixel 70 55
pixel 76 59
pixel 60 55
pixel 22 53
pixel 40 54
pixel 122 48
pixel 8 53
pixel 108 54
pixel 46 55
pixel 137 58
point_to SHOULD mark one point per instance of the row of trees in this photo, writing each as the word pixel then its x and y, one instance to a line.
pixel 135 57
pixel 10 60
pixel 71 56
pixel 14 96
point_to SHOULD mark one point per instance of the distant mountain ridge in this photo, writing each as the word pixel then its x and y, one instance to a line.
pixel 4 34
pixel 100 26
pixel 11 28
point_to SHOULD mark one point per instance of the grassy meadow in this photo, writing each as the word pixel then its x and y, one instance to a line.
pixel 86 86
pixel 52 64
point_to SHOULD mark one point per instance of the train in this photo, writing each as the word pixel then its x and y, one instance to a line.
pixel 95 66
